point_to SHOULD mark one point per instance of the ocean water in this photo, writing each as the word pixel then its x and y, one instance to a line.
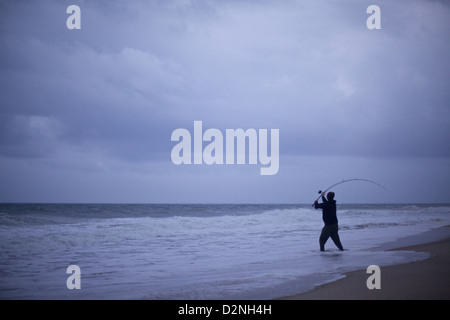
pixel 149 251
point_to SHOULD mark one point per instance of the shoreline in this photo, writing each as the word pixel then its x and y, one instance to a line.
pixel 427 279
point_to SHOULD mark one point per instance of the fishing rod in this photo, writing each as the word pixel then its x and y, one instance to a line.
pixel 343 181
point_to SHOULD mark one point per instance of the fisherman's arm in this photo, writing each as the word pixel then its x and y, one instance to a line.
pixel 318 205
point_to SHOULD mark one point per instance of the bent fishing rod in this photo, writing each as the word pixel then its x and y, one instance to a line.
pixel 343 181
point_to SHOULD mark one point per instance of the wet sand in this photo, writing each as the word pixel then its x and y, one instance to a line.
pixel 422 280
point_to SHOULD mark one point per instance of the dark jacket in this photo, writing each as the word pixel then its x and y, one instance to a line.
pixel 328 211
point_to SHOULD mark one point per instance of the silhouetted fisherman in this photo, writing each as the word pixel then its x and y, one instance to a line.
pixel 330 219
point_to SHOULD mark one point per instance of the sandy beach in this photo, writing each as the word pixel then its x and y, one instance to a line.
pixel 422 280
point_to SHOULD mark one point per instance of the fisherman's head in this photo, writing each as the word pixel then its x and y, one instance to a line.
pixel 330 196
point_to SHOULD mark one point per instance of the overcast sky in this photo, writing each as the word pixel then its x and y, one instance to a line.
pixel 87 115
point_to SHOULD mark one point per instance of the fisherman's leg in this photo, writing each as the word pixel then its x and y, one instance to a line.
pixel 335 237
pixel 324 235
